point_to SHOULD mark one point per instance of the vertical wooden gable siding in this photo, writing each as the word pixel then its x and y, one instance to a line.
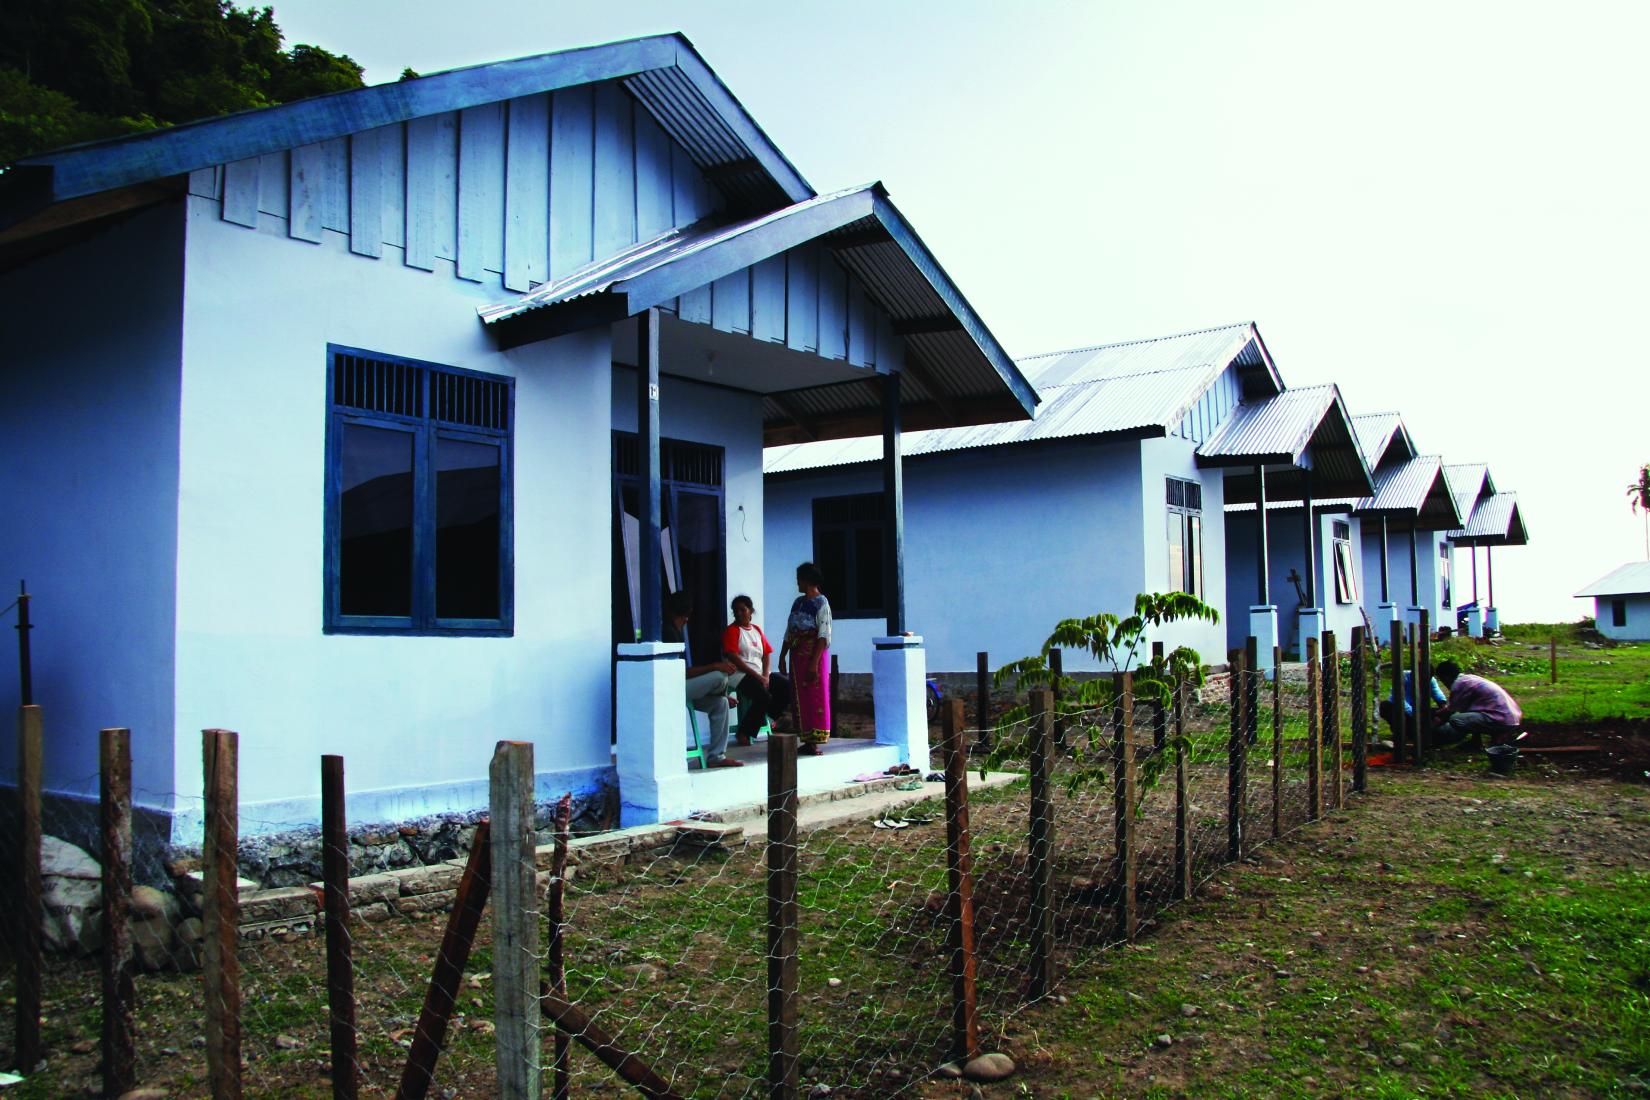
pixel 513 193
pixel 804 300
pixel 1214 406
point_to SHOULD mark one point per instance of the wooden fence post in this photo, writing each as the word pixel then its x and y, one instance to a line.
pixel 784 1050
pixel 1360 709
pixel 1337 753
pixel 982 701
pixel 1182 834
pixel 30 736
pixel 1056 668
pixel 419 1072
pixel 1277 742
pixel 517 1042
pixel 221 912
pixel 1040 848
pixel 1399 724
pixel 115 805
pixel 965 1025
pixel 1412 721
pixel 1252 677
pixel 1237 743
pixel 340 961
pixel 1552 657
pixel 554 956
pixel 1160 713
pixel 1128 909
pixel 1314 732
pixel 1423 690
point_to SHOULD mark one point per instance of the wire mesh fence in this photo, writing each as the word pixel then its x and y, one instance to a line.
pixel 505 955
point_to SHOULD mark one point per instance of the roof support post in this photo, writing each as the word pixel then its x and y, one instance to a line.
pixel 1311 541
pixel 893 508
pixel 1262 556
pixel 1473 550
pixel 1489 563
pixel 651 604
pixel 1386 570
pixel 1414 582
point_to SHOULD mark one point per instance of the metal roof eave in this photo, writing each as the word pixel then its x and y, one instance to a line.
pixel 85 169
pixel 1434 510
pixel 727 251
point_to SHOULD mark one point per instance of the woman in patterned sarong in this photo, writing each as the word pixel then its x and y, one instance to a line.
pixel 808 643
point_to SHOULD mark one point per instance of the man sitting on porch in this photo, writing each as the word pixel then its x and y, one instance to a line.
pixel 707 685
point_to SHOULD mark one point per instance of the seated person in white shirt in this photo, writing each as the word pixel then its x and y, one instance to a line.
pixel 762 692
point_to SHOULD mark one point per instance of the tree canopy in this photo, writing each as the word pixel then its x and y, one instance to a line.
pixel 77 70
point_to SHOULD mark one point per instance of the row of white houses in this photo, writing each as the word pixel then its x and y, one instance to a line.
pixel 1140 472
pixel 378 424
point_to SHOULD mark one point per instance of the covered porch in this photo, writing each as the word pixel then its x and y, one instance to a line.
pixel 1410 497
pixel 826 319
pixel 1489 519
pixel 1296 449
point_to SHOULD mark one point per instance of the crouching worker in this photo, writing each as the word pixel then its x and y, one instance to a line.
pixel 762 692
pixel 707 685
pixel 1477 707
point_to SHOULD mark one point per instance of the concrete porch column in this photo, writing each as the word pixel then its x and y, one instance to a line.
pixel 899 691
pixel 1313 623
pixel 1475 622
pixel 1263 627
pixel 651 713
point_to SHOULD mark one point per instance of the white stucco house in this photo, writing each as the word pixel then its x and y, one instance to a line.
pixel 1120 485
pixel 1621 602
pixel 377 423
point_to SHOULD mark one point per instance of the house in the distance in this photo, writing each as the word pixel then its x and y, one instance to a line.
pixel 377 423
pixel 1490 519
pixel 1621 602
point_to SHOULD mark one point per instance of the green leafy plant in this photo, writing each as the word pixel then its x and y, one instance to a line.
pixel 1086 709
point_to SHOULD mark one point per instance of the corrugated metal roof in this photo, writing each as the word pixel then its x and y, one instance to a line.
pixel 1111 389
pixel 1468 481
pixel 1632 579
pixel 665 73
pixel 1496 521
pixel 1376 433
pixel 1417 490
pixel 1279 431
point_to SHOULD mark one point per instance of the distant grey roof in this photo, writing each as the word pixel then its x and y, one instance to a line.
pixel 1632 579
pixel 1496 521
pixel 1376 434
pixel 1416 490
pixel 1280 431
pixel 1139 388
pixel 1468 482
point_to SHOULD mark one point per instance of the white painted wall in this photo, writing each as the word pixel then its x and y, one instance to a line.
pixel 1638 618
pixel 1161 459
pixel 416 717
pixel 89 474
pixel 1000 544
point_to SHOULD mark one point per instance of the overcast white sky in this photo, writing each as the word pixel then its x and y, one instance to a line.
pixel 1441 207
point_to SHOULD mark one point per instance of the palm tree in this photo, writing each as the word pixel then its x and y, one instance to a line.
pixel 1639 493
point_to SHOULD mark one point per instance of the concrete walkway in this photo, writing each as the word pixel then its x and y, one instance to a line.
pixel 880 799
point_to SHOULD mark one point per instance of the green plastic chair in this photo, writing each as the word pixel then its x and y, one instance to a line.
pixel 697 752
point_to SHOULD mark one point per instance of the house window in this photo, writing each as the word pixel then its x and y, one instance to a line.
pixel 1444 562
pixel 418 500
pixel 1346 581
pixel 848 550
pixel 1185 500
pixel 1618 612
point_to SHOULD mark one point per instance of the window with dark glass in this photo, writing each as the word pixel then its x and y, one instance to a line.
pixel 1618 612
pixel 848 550
pixel 1185 501
pixel 418 497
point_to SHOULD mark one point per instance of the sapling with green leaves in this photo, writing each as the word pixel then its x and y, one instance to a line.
pixel 1085 707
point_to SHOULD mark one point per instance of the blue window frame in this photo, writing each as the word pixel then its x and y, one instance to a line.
pixel 419 489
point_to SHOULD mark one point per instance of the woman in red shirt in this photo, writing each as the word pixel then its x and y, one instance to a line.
pixel 761 692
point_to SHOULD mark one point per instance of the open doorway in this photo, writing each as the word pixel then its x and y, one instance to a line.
pixel 693 537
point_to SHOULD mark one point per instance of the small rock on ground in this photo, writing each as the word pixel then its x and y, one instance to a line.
pixel 949 1070
pixel 1163 1041
pixel 989 1067
pixel 144 1094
